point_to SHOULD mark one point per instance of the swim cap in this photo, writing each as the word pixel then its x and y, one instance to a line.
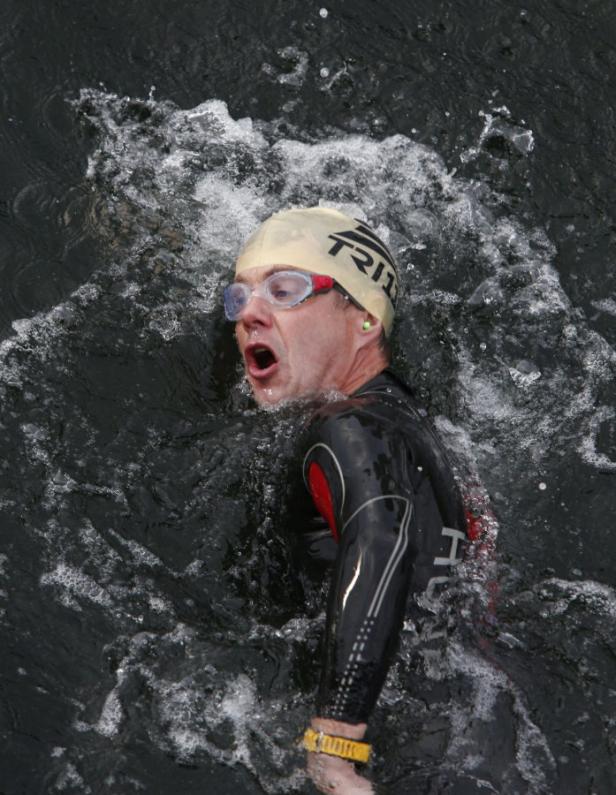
pixel 326 241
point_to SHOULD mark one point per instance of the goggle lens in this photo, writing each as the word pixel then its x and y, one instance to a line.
pixel 282 289
pixel 235 298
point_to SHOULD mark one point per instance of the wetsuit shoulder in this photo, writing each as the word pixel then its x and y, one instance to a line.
pixel 380 440
pixel 357 452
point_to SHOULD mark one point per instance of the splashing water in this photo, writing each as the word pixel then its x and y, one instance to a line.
pixel 150 490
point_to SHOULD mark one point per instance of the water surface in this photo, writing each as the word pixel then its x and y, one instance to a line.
pixel 155 637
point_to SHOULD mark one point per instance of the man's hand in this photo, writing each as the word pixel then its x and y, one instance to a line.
pixel 336 776
pixel 330 774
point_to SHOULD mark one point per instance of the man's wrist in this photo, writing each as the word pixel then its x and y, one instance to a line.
pixel 338 728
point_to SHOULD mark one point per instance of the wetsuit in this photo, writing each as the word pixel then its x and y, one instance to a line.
pixel 390 519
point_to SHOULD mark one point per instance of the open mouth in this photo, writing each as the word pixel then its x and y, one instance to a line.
pixel 261 360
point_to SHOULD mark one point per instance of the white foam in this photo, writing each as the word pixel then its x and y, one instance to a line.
pixel 498 124
pixel 524 374
pixel 230 213
pixel 607 305
pixel 489 400
pixel 71 583
pixel 108 725
pixel 160 604
pixel 256 174
pixel 588 443
pixel 69 778
pixel 294 77
pixel 601 597
pixel 36 438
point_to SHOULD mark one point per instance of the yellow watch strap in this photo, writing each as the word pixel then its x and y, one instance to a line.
pixel 322 743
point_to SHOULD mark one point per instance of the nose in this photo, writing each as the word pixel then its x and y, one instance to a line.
pixel 257 312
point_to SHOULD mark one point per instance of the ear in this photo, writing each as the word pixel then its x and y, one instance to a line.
pixel 370 328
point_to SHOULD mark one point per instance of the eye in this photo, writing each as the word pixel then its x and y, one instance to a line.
pixel 235 298
pixel 285 287
pixel 240 294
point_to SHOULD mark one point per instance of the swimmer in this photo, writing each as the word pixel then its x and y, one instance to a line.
pixel 313 304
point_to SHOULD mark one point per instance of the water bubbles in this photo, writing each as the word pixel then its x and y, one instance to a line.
pixel 323 13
pixel 72 584
pixel 500 137
pixel 291 67
pixel 324 72
pixel 524 373
pixel 598 433
pixel 108 724
pixel 487 293
pixel 607 305
pixel 542 486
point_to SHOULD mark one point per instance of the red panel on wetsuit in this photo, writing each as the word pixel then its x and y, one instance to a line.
pixel 321 495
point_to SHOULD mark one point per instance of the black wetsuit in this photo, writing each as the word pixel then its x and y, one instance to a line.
pixel 390 519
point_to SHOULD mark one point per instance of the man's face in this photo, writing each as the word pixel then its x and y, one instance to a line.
pixel 299 352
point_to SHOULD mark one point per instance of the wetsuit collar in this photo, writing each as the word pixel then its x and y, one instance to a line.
pixel 386 378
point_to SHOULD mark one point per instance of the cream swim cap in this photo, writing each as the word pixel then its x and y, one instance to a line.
pixel 321 240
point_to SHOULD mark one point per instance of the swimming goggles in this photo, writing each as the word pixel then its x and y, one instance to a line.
pixel 283 289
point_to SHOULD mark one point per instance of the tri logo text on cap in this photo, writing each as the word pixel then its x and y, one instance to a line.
pixel 364 245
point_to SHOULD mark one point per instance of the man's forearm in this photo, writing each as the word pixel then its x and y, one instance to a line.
pixel 366 609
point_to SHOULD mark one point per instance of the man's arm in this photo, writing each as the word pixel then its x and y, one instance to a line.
pixel 360 481
pixel 366 605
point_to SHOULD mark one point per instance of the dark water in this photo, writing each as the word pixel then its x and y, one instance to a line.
pixel 154 638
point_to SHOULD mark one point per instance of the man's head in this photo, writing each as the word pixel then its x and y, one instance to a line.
pixel 316 302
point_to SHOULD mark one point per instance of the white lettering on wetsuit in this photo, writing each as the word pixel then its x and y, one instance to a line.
pixel 451 560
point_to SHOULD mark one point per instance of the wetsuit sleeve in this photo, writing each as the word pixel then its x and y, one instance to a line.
pixel 360 482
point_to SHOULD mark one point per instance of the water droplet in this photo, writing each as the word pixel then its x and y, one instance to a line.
pixel 482 346
pixel 542 486
pixel 323 12
pixel 324 72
